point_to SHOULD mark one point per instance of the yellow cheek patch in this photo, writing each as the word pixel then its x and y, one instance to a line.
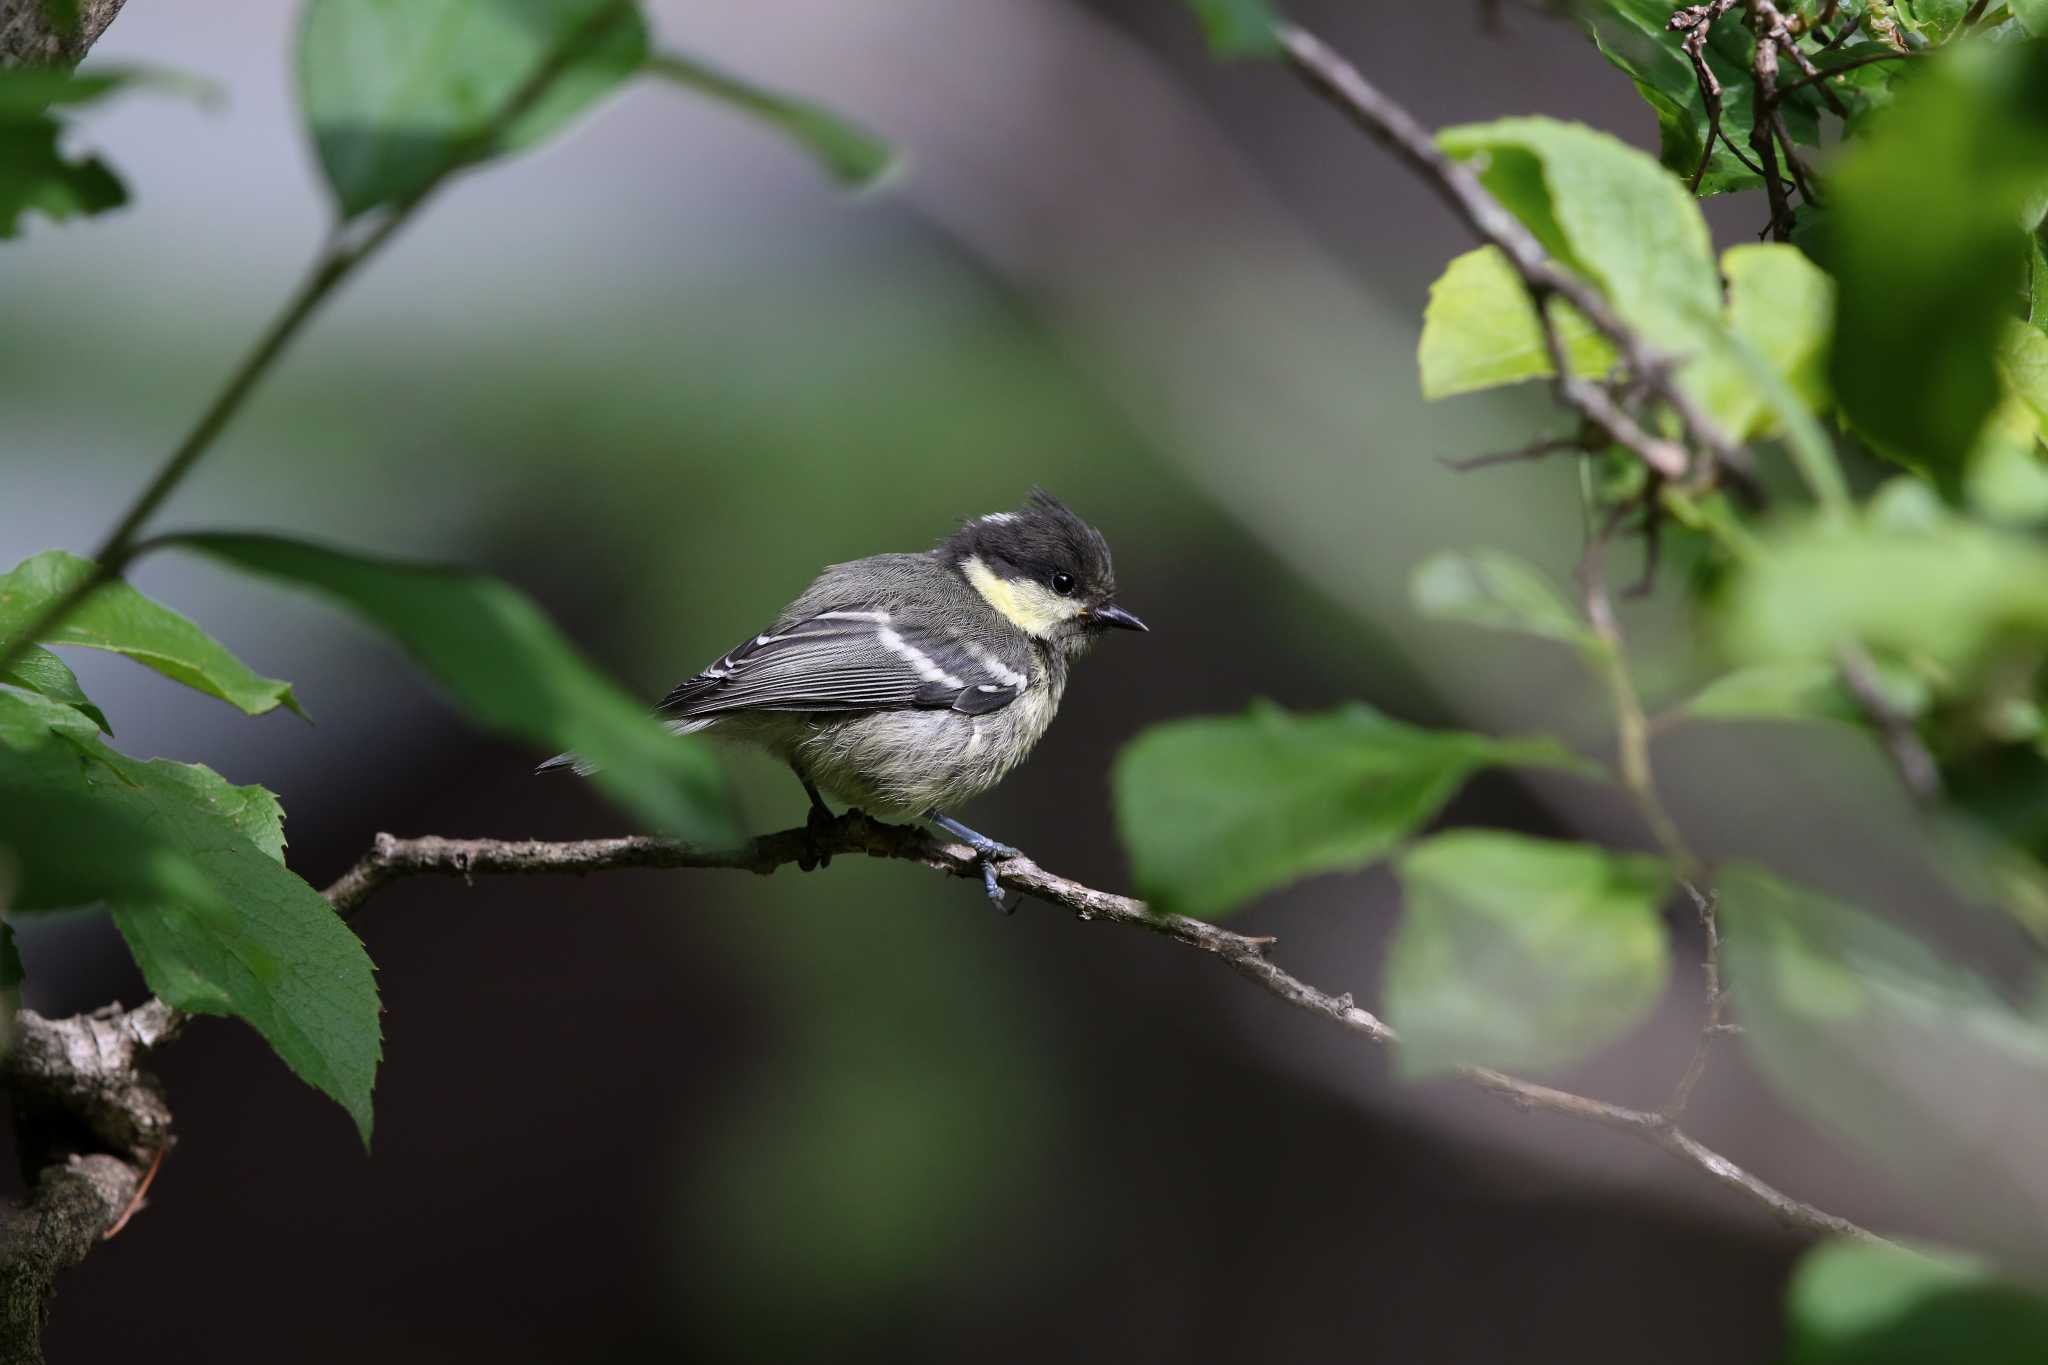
pixel 1024 604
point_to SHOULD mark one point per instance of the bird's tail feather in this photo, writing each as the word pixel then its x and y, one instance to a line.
pixel 576 765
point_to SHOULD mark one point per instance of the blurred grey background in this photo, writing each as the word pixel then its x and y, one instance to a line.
pixel 656 374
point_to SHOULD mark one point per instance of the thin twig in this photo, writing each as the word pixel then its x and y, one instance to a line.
pixel 1631 722
pixel 391 858
pixel 1841 68
pixel 1708 904
pixel 334 263
pixel 1535 450
pixel 1697 23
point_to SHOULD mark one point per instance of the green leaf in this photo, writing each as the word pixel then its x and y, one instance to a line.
pixel 1605 209
pixel 1941 590
pixel 35 174
pixel 1613 215
pixel 2023 365
pixel 397 91
pixel 1218 809
pixel 1919 1063
pixel 1857 1303
pixel 1800 690
pixel 1783 306
pixel 1768 403
pixel 1480 331
pixel 1238 28
pixel 36 177
pixel 2006 479
pixel 1634 36
pixel 851 154
pixel 1494 589
pixel 215 921
pixel 1523 953
pixel 42 672
pixel 510 670
pixel 1923 236
pixel 117 618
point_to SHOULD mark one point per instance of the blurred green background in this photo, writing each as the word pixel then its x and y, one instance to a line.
pixel 657 374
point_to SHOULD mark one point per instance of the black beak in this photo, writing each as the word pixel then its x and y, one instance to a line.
pixel 1110 614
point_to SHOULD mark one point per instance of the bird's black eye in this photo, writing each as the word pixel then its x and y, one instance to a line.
pixel 1063 584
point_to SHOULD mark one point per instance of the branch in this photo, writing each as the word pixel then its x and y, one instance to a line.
pixel 29 36
pixel 391 858
pixel 93 1127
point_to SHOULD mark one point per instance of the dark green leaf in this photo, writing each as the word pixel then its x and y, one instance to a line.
pixel 1494 589
pixel 1911 1059
pixel 1216 810
pixel 215 921
pixel 511 670
pixel 1238 28
pixel 1634 36
pixel 35 174
pixel 36 177
pixel 850 154
pixel 117 618
pixel 42 672
pixel 1923 236
pixel 1480 331
pixel 1519 952
pixel 1855 1303
pixel 396 91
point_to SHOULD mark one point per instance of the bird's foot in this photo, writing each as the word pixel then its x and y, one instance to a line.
pixel 988 858
pixel 987 852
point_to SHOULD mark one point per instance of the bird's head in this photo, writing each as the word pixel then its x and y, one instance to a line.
pixel 1046 570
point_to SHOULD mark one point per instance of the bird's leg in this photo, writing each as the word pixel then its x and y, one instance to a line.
pixel 819 818
pixel 987 852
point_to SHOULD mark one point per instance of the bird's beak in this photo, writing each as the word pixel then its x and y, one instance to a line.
pixel 1110 614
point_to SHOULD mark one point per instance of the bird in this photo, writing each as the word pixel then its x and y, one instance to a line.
pixel 907 684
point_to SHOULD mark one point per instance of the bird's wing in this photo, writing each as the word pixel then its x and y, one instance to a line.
pixel 851 661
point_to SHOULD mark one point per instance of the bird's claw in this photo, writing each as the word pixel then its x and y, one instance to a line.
pixel 988 853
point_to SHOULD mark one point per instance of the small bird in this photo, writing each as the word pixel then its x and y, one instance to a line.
pixel 906 684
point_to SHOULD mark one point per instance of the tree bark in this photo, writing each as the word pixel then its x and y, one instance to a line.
pixel 32 33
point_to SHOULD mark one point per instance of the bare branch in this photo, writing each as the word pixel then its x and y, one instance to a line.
pixel 391 858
